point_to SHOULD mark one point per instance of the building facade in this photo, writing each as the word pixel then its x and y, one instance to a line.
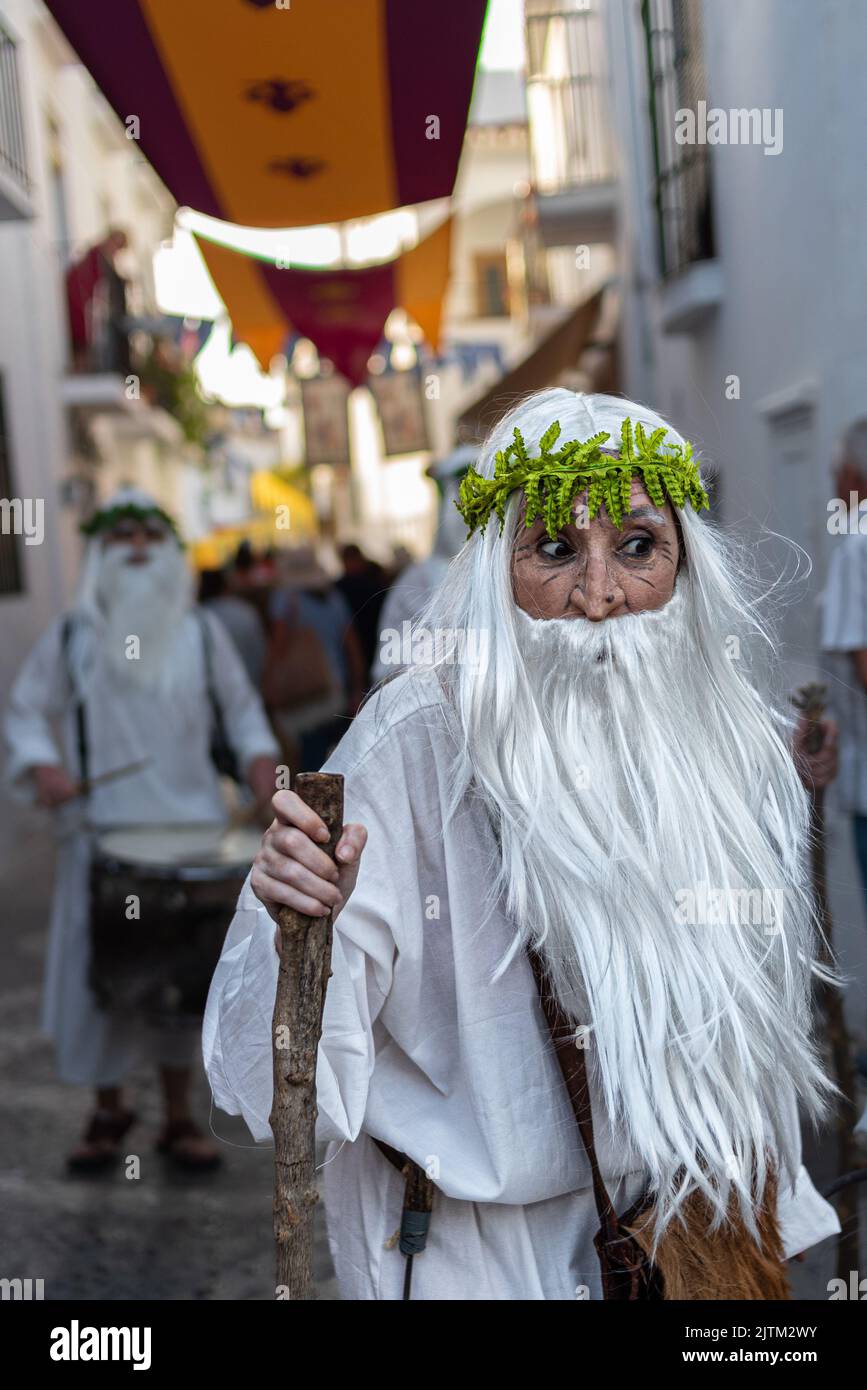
pixel 740 231
pixel 742 222
pixel 72 424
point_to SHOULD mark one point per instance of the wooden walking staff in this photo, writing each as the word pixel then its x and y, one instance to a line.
pixel 810 700
pixel 305 965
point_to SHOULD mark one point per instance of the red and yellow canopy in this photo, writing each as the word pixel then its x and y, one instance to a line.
pixel 342 311
pixel 314 111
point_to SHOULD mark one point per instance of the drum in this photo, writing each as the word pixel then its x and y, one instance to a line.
pixel 161 900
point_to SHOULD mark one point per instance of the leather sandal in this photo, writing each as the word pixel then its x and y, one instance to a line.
pixel 172 1143
pixel 101 1141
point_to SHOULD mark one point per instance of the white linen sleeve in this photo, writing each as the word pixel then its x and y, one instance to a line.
pixel 844 601
pixel 803 1215
pixel 236 1031
pixel 247 725
pixel 39 696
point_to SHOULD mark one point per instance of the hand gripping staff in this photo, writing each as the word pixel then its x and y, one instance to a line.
pixel 305 965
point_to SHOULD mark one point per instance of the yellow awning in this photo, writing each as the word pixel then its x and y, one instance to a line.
pixel 266 529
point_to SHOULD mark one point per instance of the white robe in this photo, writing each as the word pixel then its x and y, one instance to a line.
pixel 422 1050
pixel 178 785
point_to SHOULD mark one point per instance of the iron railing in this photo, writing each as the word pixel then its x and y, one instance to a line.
pixel 570 130
pixel 13 148
pixel 683 196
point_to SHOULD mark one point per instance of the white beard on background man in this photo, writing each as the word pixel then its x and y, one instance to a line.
pixel 146 601
pixel 625 764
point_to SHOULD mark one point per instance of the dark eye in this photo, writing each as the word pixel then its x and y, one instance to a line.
pixel 555 550
pixel 637 547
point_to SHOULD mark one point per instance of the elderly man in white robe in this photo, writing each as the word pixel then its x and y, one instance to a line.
pixel 131 656
pixel 606 765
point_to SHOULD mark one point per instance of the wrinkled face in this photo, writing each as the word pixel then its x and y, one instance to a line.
pixel 594 570
pixel 138 536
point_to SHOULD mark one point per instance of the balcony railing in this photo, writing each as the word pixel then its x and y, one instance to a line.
pixel 108 351
pixel 13 148
pixel 684 205
pixel 570 131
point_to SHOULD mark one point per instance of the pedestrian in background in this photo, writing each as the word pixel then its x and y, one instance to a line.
pixel 364 585
pixel 315 675
pixel 132 674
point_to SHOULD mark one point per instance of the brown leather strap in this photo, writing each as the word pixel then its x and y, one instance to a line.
pixel 574 1070
pixel 396 1159
pixel 419 1192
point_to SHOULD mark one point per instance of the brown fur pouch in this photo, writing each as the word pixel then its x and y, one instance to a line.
pixel 690 1261
pixel 694 1262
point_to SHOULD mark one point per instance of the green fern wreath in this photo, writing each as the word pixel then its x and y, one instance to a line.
pixel 552 481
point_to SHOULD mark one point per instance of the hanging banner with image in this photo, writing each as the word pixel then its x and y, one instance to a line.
pixel 342 311
pixel 400 402
pixel 325 404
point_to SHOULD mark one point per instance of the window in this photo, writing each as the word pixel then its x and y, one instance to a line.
pixel 677 82
pixel 492 286
pixel 13 152
pixel 570 140
pixel 10 559
pixel 57 193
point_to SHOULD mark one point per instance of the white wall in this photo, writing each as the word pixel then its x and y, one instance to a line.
pixel 106 182
pixel 32 338
pixel 791 232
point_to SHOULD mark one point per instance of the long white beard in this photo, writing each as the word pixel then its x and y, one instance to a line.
pixel 622 793
pixel 143 606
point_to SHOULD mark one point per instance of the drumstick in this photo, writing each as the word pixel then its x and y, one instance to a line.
pixel 305 965
pixel 88 783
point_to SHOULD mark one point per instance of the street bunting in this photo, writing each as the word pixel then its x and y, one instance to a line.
pixel 342 311
pixel 279 113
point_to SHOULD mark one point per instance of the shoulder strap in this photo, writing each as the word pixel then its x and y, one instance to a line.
pixel 210 683
pixel 574 1070
pixel 80 716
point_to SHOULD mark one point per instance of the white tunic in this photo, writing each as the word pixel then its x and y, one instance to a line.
pixel 422 1050
pixel 178 785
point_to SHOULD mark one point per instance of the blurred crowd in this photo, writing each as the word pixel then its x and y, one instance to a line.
pixel 308 639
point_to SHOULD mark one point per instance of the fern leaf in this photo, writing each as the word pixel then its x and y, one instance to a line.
pixel 549 438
